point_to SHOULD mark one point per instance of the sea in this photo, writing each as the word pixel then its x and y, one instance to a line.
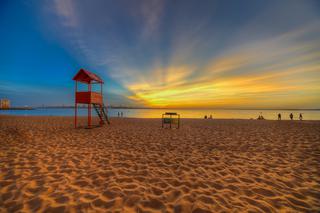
pixel 184 113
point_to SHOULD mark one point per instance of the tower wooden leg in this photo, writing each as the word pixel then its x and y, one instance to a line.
pixel 75 115
pixel 89 115
pixel 101 113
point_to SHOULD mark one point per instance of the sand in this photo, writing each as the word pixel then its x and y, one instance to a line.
pixel 135 166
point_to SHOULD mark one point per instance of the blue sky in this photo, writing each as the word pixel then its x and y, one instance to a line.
pixel 247 54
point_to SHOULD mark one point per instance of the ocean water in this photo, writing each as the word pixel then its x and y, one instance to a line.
pixel 184 113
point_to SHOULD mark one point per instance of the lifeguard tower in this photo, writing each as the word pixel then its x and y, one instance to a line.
pixel 89 97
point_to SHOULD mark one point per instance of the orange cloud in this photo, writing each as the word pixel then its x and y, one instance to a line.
pixel 279 72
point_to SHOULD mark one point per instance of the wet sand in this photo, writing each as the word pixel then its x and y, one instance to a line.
pixel 135 166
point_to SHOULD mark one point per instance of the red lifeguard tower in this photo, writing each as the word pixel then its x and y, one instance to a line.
pixel 89 97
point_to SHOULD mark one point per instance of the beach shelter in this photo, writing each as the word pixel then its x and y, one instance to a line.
pixel 89 97
pixel 170 119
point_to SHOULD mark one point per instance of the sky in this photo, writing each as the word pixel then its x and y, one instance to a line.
pixel 157 53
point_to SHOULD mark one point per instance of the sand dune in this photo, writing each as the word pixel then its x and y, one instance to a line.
pixel 135 166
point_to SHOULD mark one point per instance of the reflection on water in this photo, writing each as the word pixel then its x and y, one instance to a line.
pixel 185 113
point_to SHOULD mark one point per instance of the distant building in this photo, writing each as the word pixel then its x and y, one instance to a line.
pixel 4 104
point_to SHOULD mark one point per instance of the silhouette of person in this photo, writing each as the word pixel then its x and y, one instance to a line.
pixel 210 117
pixel 205 117
pixel 121 114
pixel 300 117
pixel 279 117
pixel 291 116
pixel 118 114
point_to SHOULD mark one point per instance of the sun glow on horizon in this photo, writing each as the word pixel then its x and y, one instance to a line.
pixel 256 75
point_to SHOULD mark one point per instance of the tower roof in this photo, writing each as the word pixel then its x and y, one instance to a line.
pixel 87 77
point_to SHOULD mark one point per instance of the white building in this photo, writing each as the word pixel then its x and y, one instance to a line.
pixel 4 103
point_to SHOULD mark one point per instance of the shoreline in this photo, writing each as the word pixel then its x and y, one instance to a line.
pixel 159 118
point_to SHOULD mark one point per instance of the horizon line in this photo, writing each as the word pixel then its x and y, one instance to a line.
pixel 181 108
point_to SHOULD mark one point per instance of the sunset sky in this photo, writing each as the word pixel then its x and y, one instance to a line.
pixel 202 54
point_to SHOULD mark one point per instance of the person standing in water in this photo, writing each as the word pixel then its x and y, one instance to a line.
pixel 291 116
pixel 279 117
pixel 300 117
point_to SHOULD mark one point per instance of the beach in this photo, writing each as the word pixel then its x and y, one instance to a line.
pixel 133 165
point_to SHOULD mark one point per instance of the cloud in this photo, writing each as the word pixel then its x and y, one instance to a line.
pixel 66 11
pixel 151 11
pixel 188 54
pixel 266 68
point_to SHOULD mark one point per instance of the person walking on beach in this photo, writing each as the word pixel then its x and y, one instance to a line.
pixel 205 117
pixel 300 117
pixel 291 116
pixel 118 114
pixel 121 114
pixel 279 117
pixel 210 117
